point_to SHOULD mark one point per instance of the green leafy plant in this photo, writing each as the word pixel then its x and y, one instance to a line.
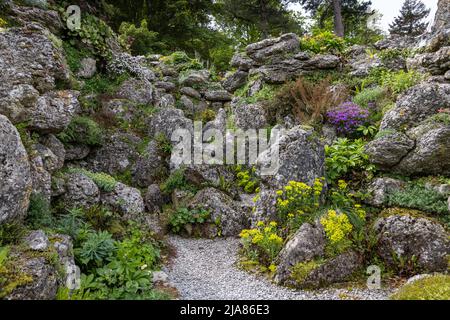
pixel 247 179
pixel 183 216
pixel 97 249
pixel 345 156
pixel 400 81
pixel 140 40
pixel 176 180
pixel 323 42
pixel 369 95
pixel 82 130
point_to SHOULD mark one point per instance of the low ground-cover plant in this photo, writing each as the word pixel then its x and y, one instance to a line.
pixel 431 287
pixel 417 196
pixel 103 180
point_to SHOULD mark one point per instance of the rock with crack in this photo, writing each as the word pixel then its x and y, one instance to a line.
pixel 15 174
pixel 268 48
pixel 307 244
pixel 32 65
pixel 125 200
pixel 417 104
pixel 235 80
pixel 118 153
pixel 297 155
pixel 379 188
pixel 388 150
pixel 150 166
pixel 412 240
pixel 81 191
pixel 229 215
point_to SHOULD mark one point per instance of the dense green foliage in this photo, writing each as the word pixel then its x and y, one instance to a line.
pixel 432 287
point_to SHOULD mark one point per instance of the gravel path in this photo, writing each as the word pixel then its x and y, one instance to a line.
pixel 205 270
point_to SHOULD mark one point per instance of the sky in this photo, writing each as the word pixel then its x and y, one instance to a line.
pixel 391 8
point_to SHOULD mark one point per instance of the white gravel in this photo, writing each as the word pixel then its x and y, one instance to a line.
pixel 206 270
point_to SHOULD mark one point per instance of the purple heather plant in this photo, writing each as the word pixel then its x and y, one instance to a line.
pixel 347 117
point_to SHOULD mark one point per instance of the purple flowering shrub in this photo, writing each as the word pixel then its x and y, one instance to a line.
pixel 347 117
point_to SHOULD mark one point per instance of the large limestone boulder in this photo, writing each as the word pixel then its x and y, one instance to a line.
pixel 416 105
pixel 32 65
pixel 388 150
pixel 117 154
pixel 413 239
pixel 229 215
pixel 166 121
pixel 15 175
pixel 249 116
pixel 264 50
pixel 436 63
pixel 53 111
pixel 297 155
pixel 235 80
pixel 307 244
pixel 81 191
pixel 138 91
pixel 150 167
pixel 125 200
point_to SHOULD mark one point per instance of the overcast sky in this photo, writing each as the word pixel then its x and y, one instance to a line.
pixel 391 8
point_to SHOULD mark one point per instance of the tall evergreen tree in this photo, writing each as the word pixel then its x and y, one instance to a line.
pixel 256 19
pixel 410 21
pixel 346 15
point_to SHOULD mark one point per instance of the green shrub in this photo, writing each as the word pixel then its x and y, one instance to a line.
pixel 247 179
pixel 82 130
pixel 139 40
pixel 323 42
pixel 345 156
pixel 93 32
pixel 176 180
pixel 72 224
pixel 400 81
pixel 221 57
pixel 370 95
pixel 394 53
pixel 183 216
pixel 96 250
pixel 39 213
pixel 182 62
pixel 435 287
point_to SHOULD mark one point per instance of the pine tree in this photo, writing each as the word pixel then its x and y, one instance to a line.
pixel 410 21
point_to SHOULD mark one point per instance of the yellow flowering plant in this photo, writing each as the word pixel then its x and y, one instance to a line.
pixel 262 243
pixel 297 202
pixel 338 228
